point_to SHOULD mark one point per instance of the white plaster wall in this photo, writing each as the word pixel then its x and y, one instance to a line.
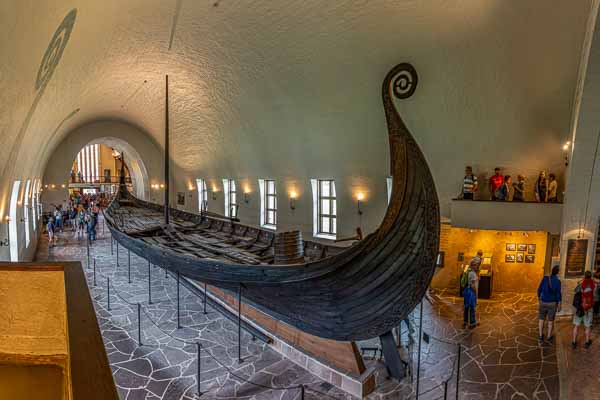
pixel 290 90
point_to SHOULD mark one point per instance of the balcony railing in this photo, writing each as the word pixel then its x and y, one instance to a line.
pixel 507 215
pixel 98 180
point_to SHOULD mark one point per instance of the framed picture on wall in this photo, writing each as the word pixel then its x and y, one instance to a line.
pixel 511 247
pixel 509 258
pixel 520 257
pixel 521 247
pixel 180 198
pixel 531 249
pixel 529 259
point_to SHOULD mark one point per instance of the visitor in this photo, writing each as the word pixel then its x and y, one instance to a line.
pixel 549 297
pixel 50 230
pixel 470 303
pixel 58 218
pixel 470 184
pixel 519 189
pixel 80 222
pixel 73 218
pixel 597 292
pixel 79 177
pixel 91 226
pixel 503 192
pixel 72 176
pixel 474 266
pixel 495 182
pixel 93 220
pixel 583 301
pixel 541 188
pixel 552 189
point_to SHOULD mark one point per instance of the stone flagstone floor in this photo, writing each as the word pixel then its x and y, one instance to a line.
pixel 165 366
pixel 500 358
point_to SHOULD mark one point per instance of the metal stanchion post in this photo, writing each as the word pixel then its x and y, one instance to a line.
pixel 240 360
pixel 94 271
pixel 111 246
pixel 458 368
pixel 108 291
pixel 205 298
pixel 419 351
pixel 149 284
pixel 199 348
pixel 129 265
pixel 178 313
pixel 88 252
pixel 446 390
pixel 139 310
pixel 302 392
pixel 117 254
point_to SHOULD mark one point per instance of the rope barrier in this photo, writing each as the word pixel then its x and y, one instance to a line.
pixel 229 371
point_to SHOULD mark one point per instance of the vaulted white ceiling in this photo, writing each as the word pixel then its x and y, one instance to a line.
pixel 262 85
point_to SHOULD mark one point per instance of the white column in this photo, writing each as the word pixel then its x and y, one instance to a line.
pixel 581 208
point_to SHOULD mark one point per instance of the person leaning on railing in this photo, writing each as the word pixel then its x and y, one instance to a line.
pixel 470 184
pixel 519 189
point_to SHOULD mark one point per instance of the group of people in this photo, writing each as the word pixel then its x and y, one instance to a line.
pixel 586 304
pixel 502 187
pixel 586 301
pixel 81 215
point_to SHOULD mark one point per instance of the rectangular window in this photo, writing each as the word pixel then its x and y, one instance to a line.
pixel 13 223
pixel 325 208
pixel 26 213
pixel 231 206
pixel 202 195
pixel 34 203
pixel 268 200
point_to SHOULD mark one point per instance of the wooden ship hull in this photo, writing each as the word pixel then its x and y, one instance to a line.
pixel 343 294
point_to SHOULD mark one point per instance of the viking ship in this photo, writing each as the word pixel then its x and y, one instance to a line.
pixel 346 294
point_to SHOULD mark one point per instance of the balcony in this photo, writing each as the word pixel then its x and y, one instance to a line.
pixel 506 215
pixel 96 181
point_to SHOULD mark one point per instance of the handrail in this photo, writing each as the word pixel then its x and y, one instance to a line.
pixel 99 179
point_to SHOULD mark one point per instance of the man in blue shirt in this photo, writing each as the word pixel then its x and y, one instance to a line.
pixel 549 295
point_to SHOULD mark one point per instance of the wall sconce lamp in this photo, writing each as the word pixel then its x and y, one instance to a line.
pixel 246 195
pixel 162 185
pixel 63 186
pixel 7 218
pixel 293 197
pixel 53 186
pixel 46 186
pixel 359 197
pixel 214 193
pixel 566 151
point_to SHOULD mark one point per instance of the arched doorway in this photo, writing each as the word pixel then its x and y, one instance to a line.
pixel 92 163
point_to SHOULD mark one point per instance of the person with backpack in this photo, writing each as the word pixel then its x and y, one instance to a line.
pixel 583 301
pixel 503 192
pixel 495 182
pixel 470 303
pixel 550 297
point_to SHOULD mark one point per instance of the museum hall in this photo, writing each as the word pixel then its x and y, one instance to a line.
pixel 299 199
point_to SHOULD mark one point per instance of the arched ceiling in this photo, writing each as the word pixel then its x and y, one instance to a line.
pixel 249 76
